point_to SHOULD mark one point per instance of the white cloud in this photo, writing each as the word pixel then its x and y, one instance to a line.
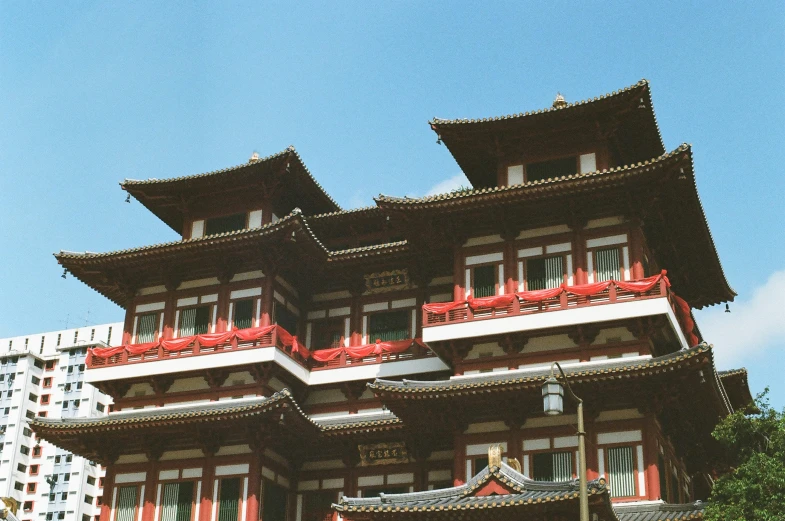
pixel 753 326
pixel 448 185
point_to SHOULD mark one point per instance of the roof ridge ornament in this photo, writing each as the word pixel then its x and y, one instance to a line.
pixel 254 157
pixel 559 102
pixel 494 456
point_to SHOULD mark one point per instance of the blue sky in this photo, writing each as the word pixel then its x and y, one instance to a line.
pixel 94 93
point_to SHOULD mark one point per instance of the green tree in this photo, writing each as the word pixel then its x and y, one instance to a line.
pixel 754 489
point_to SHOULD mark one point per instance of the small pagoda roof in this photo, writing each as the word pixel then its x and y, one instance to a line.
pixel 626 114
pixel 737 387
pixel 494 490
pixel 167 198
pixel 660 511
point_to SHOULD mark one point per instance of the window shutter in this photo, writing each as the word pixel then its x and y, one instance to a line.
pixel 243 314
pixel 145 329
pixel 484 281
pixel 187 322
pixel 554 272
pixel 176 502
pixel 228 503
pixel 393 325
pixel 608 265
pixel 126 503
pixel 621 472
pixel 562 466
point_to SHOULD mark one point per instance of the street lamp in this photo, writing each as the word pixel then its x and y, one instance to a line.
pixel 553 404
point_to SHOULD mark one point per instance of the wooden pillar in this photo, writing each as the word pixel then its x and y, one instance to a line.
pixel 148 507
pixel 592 463
pixel 459 468
pixel 650 457
pixel 106 496
pixel 355 320
pixel 222 314
pixel 128 326
pixel 206 501
pixel 267 299
pixel 636 252
pixel 579 255
pixel 170 310
pixel 510 264
pixel 458 276
pixel 254 502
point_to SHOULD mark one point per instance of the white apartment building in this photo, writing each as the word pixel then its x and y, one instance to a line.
pixel 42 375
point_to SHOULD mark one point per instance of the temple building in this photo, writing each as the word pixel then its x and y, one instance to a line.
pixel 289 360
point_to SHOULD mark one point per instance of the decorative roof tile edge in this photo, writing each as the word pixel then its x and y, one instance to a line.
pixel 463 194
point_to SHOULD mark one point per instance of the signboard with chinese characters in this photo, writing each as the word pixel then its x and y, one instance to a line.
pixel 387 281
pixel 383 453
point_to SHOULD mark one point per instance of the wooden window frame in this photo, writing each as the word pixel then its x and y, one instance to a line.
pixel 635 465
pixel 156 333
pixel 406 310
pixel 323 324
pixel 573 457
pixel 593 252
pixel 523 270
pixel 136 501
pixel 195 483
pixel 240 502
pixel 255 311
pixel 211 312
pixel 495 265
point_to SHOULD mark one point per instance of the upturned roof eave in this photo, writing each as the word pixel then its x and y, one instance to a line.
pixel 174 219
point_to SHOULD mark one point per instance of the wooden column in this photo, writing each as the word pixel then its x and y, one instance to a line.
pixel 128 326
pixel 510 263
pixel 106 496
pixel 458 275
pixel 148 507
pixel 206 501
pixel 459 467
pixel 636 252
pixel 222 316
pixel 356 319
pixel 254 502
pixel 650 457
pixel 592 463
pixel 267 299
pixel 579 255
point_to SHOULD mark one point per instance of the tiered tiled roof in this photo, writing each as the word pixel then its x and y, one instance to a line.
pixel 660 512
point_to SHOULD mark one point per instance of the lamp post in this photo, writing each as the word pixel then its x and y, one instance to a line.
pixel 553 404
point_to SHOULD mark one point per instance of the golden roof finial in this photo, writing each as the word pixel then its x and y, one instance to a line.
pixel 494 456
pixel 559 102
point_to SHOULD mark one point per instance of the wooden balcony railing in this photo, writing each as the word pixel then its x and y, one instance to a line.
pixel 273 338
pixel 463 312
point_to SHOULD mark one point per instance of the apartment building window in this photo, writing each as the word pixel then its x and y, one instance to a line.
pixel 21 467
pixel 90 480
pixel 27 432
pixel 79 384
pixel 100 407
pixel 60 515
pixel 64 496
pixel 224 224
pixel 18 486
pixel 243 314
pixel 68 458
pixel 389 325
pixel 66 477
pixel 109 336
pixel 42 414
pixel 35 380
pixel 41 349
pixel 177 501
pixel 194 321
pixel 24 449
pixel 484 281
pixel 37 448
pixel 59 337
pixel 285 318
pixel 31 488
pixel 65 404
pixel 229 499
pixel 146 326
pixel 50 365
pixel 607 264
pixel 33 470
pixel 92 335
pixel 552 466
pixel 45 399
pixel 67 387
pixel 32 397
pixel 27 506
pixel 76 336
pixel 621 471
pixel 70 369
pixel 88 499
pixel 38 363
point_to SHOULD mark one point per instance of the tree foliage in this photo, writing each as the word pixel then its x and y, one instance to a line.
pixel 754 489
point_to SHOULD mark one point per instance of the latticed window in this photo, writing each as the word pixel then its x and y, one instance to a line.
pixel 285 318
pixel 544 273
pixel 392 325
pixel 126 503
pixel 552 466
pixel 177 501
pixel 229 499
pixel 327 333
pixel 243 314
pixel 621 471
pixel 194 321
pixel 274 502
pixel 608 266
pixel 145 328
pixel 484 283
pixel 227 223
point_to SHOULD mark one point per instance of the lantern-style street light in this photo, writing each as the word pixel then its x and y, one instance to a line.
pixel 553 404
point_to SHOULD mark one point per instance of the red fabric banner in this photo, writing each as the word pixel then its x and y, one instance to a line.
pixel 393 347
pixel 498 301
pixel 540 295
pixel 443 307
pixel 106 352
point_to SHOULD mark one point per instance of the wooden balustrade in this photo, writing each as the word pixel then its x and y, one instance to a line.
pixel 563 301
pixel 271 339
